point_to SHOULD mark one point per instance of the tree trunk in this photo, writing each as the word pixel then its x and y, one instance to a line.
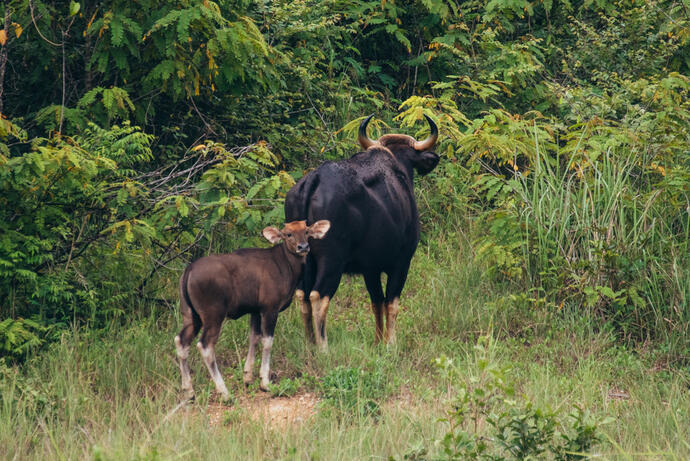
pixel 3 52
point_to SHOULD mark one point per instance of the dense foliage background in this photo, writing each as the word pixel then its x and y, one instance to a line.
pixel 137 135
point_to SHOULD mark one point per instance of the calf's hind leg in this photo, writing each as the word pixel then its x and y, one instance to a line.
pixel 207 348
pixel 191 324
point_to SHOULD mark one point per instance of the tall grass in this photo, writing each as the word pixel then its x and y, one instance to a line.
pixel 598 236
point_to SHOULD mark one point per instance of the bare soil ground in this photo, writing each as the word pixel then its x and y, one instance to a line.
pixel 263 407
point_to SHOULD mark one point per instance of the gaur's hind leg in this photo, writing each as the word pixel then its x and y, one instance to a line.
pixel 373 283
pixel 268 325
pixel 392 309
pixel 394 287
pixel 206 346
pixel 302 293
pixel 191 324
pixel 254 337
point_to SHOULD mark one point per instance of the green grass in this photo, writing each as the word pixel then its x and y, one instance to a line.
pixel 109 395
pixel 603 239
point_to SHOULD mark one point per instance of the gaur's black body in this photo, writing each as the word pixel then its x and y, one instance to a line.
pixel 369 200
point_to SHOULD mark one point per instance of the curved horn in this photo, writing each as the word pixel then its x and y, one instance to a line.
pixel 362 137
pixel 429 142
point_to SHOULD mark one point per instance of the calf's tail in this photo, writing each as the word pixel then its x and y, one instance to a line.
pixel 184 294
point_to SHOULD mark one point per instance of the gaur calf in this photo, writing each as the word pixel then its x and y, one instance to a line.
pixel 256 281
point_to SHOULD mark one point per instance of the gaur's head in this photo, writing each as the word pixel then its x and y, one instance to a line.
pixel 405 148
pixel 296 235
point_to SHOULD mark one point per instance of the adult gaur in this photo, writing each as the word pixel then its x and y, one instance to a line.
pixel 369 200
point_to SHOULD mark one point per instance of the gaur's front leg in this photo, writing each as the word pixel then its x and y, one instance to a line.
pixel 320 310
pixel 307 318
pixel 392 309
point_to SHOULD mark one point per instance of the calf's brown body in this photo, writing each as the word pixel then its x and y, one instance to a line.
pixel 256 281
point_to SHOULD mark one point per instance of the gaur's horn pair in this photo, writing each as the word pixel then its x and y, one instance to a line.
pixel 427 144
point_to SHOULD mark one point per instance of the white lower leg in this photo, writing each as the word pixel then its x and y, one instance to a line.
pixel 267 343
pixel 320 310
pixel 391 315
pixel 182 355
pixel 251 355
pixel 305 309
pixel 209 357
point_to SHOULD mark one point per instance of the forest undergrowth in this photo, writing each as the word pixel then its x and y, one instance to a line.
pixel 474 373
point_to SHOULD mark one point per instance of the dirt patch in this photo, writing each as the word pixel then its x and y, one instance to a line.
pixel 617 394
pixel 403 400
pixel 277 411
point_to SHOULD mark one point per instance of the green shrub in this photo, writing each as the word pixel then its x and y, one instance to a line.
pixel 586 210
pixel 286 387
pixel 86 227
pixel 489 422
pixel 20 336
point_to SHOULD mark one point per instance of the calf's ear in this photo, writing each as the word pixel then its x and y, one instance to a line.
pixel 318 229
pixel 272 234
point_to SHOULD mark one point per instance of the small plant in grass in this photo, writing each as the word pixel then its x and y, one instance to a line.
pixel 582 437
pixel 233 416
pixel 356 391
pixel 524 431
pixel 286 387
pixel 487 421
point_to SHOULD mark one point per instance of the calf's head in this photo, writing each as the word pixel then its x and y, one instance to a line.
pixel 296 235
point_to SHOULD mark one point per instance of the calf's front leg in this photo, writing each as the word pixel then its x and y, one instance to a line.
pixel 268 325
pixel 254 337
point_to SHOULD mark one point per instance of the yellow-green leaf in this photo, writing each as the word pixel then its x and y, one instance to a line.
pixel 74 8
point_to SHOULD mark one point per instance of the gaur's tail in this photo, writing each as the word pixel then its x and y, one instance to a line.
pixel 297 209
pixel 298 198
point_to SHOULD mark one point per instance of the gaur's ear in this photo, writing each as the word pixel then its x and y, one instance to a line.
pixel 424 162
pixel 273 235
pixel 318 229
